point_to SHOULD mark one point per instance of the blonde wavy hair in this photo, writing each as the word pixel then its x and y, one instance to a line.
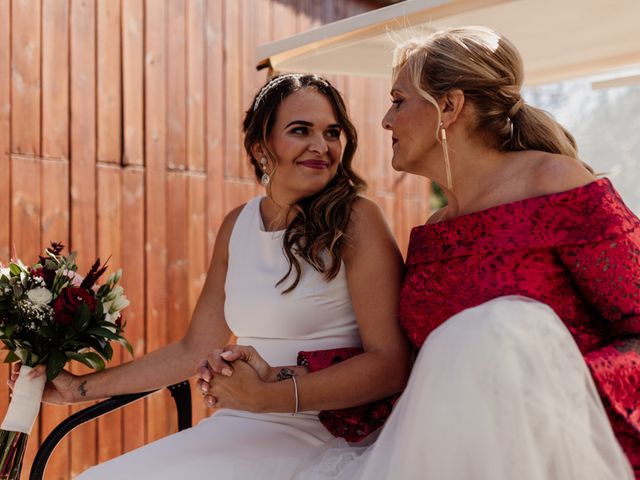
pixel 488 69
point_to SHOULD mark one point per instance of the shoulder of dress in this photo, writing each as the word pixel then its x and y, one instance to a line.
pixel 586 214
pixel 229 222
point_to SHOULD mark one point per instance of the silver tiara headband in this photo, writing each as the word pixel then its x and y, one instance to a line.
pixel 273 84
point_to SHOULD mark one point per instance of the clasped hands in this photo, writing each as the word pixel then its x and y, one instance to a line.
pixel 233 377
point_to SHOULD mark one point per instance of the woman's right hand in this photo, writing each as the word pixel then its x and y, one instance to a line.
pixel 59 391
pixel 219 362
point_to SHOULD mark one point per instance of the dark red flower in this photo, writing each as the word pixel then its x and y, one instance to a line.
pixel 48 275
pixel 70 301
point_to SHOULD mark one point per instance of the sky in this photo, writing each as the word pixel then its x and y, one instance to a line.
pixel 605 123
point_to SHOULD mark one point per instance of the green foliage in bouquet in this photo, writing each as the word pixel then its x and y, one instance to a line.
pixel 49 314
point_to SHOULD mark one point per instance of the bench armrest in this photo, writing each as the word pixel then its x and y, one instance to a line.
pixel 181 393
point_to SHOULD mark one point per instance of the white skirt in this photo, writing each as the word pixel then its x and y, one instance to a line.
pixel 498 392
pixel 230 445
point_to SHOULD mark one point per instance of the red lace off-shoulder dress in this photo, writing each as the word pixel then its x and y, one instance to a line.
pixel 578 251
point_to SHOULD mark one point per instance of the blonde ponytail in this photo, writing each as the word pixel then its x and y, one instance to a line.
pixel 488 69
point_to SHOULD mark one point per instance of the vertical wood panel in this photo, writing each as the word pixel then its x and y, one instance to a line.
pixel 316 12
pixel 133 81
pixel 5 164
pixel 25 76
pixel 83 185
pixel 110 213
pixel 264 35
pixel 198 258
pixel 55 227
pixel 177 221
pixel 177 218
pixel 155 198
pixel 304 21
pixel 232 90
pixel 109 81
pixel 55 79
pixel 381 141
pixel 177 87
pixel 284 15
pixel 25 229
pixel 133 281
pixel 5 145
pixel 55 219
pixel 197 235
pixel 195 80
pixel 397 216
pixel 215 101
pixel 247 76
pixel 237 193
pixel 197 247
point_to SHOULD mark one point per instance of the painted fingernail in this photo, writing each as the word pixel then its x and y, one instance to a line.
pixel 225 354
pixel 226 372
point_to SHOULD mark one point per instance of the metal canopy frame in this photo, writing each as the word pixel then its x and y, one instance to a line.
pixel 558 39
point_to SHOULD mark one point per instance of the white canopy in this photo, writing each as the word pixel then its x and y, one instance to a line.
pixel 558 39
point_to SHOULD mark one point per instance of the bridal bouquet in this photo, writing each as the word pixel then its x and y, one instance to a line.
pixel 49 314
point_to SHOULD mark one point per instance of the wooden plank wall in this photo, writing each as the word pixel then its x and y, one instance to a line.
pixel 120 135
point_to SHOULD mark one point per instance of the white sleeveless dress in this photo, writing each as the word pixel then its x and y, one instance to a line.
pixel 233 444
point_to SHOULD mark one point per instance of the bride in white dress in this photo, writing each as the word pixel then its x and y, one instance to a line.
pixel 310 266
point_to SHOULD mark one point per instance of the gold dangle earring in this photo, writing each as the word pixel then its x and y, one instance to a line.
pixel 445 149
pixel 265 179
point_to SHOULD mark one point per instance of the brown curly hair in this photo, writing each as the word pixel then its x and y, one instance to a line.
pixel 317 232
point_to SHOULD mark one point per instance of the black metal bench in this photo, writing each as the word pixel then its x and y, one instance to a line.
pixel 181 393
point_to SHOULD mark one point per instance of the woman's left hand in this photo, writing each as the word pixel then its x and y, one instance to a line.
pixel 241 391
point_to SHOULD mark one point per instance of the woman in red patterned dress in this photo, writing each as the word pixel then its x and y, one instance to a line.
pixel 524 215
pixel 523 293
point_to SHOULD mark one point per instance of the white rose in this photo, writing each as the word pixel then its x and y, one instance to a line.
pixel 40 296
pixel 5 271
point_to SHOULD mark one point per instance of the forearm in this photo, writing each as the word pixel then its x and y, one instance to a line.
pixel 356 381
pixel 170 364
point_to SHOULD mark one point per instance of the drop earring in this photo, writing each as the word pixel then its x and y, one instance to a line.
pixel 265 179
pixel 445 149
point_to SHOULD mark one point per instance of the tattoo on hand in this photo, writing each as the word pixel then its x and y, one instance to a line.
pixel 285 373
pixel 82 389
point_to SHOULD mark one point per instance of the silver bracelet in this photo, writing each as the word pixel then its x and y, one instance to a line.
pixel 295 392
